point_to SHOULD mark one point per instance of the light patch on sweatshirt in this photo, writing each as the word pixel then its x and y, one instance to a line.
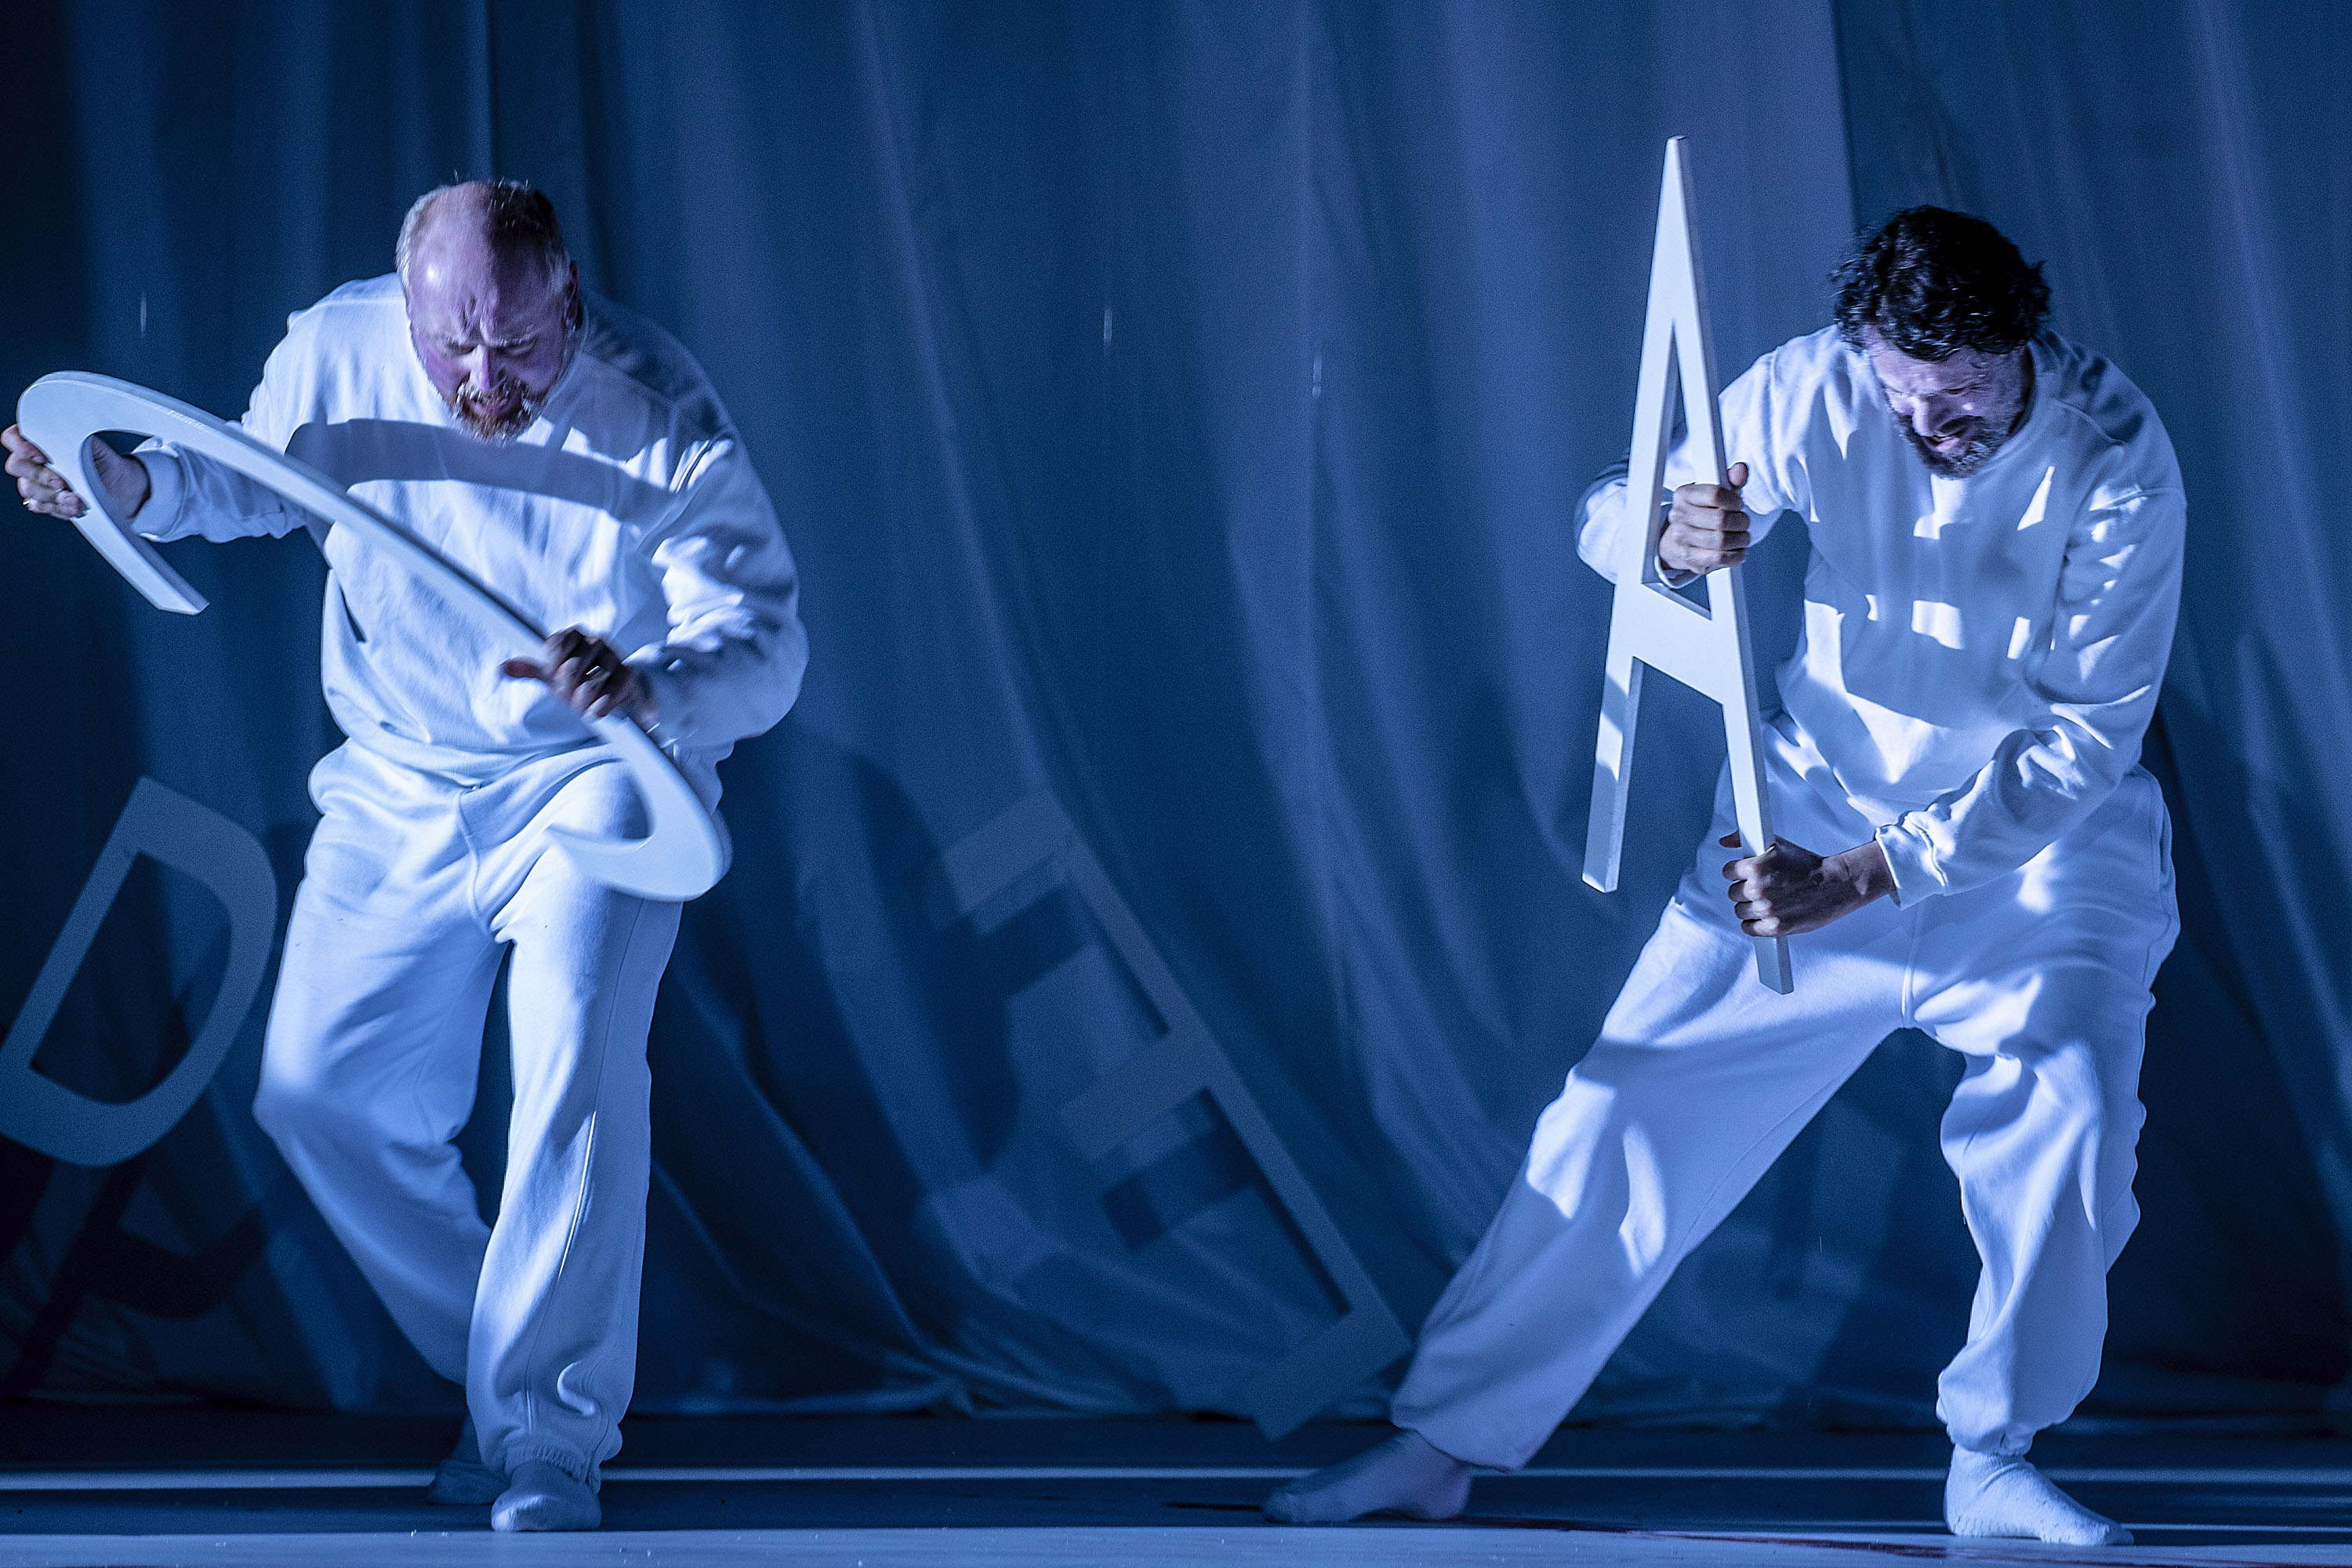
pixel 1949 495
pixel 1931 618
pixel 2038 507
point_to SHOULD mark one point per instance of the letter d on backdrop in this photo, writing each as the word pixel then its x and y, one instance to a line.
pixel 159 822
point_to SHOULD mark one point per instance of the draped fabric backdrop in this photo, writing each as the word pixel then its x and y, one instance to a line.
pixel 1179 411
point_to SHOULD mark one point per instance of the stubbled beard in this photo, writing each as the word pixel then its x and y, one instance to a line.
pixel 500 430
pixel 1967 460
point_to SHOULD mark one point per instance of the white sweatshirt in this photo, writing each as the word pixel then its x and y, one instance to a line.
pixel 1981 656
pixel 627 509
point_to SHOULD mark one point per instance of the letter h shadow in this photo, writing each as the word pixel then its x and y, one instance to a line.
pixel 1184 1062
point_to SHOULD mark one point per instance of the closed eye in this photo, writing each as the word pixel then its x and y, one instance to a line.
pixel 519 345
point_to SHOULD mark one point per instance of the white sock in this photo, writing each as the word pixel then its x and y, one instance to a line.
pixel 1989 1494
pixel 1404 1475
pixel 543 1497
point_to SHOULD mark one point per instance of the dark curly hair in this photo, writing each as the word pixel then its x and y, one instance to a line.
pixel 1932 282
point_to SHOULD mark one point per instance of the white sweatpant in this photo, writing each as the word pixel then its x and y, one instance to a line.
pixel 1701 1078
pixel 412 886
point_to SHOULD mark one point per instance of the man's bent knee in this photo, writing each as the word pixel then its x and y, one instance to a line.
pixel 290 1104
pixel 302 1101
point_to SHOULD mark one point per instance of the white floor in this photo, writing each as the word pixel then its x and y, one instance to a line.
pixel 1129 1548
pixel 112 1490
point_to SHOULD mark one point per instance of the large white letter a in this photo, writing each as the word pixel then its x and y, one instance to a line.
pixel 1650 624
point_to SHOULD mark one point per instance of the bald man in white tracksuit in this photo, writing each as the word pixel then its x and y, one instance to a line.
pixel 1980 657
pixel 628 509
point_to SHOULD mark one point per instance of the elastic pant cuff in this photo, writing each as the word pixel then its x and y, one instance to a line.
pixel 1462 1447
pixel 1998 1447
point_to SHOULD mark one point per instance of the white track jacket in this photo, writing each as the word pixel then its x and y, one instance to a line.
pixel 1981 656
pixel 628 509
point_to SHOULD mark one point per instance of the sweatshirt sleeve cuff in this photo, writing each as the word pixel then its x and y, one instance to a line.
pixel 1912 860
pixel 167 489
pixel 670 721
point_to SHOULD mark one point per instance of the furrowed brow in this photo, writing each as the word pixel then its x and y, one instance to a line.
pixel 456 344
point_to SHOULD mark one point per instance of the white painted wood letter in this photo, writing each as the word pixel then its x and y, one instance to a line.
pixel 1651 626
pixel 686 851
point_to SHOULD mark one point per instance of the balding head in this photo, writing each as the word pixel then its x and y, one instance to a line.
pixel 500 215
pixel 491 299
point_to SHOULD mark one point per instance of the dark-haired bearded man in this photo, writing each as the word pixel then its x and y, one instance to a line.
pixel 1971 849
pixel 575 458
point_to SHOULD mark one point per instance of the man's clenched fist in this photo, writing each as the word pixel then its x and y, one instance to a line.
pixel 587 674
pixel 1705 527
pixel 1789 890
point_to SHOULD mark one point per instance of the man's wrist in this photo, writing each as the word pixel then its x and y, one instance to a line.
pixel 1672 575
pixel 647 707
pixel 145 486
pixel 125 478
pixel 1865 869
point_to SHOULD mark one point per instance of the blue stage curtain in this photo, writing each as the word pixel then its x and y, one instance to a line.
pixel 1179 411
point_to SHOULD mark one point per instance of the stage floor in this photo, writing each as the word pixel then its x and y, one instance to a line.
pixel 146 1488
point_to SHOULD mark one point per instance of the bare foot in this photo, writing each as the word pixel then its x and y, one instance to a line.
pixel 1404 1475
